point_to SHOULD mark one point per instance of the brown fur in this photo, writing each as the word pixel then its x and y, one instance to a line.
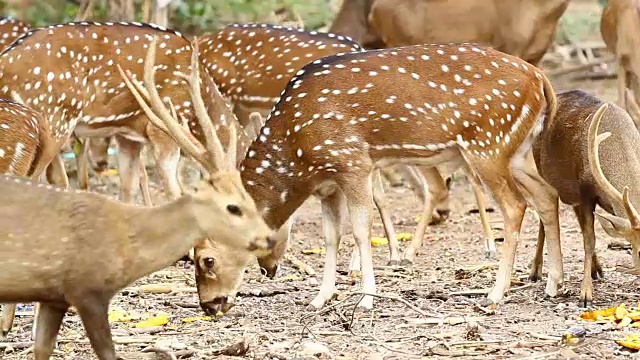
pixel 10 30
pixel 351 20
pixel 102 93
pixel 86 231
pixel 620 30
pixel 334 155
pixel 562 156
pixel 523 28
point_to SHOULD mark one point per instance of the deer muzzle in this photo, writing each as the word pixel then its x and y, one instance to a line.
pixel 217 307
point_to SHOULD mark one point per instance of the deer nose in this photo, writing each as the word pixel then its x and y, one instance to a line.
pixel 216 307
pixel 270 271
pixel 101 166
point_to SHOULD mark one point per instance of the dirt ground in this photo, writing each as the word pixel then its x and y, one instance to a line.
pixel 272 319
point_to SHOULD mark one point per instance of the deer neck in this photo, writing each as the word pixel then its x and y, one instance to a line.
pixel 161 235
pixel 276 186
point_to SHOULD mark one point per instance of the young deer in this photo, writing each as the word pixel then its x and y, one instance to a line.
pixel 455 103
pixel 125 241
pixel 76 86
pixel 252 64
pixel 595 177
pixel 10 30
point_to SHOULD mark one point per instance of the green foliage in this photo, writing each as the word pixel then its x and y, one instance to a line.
pixel 189 16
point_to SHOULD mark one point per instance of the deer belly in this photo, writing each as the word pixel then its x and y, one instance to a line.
pixel 445 156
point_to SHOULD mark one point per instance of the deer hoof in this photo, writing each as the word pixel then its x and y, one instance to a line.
pixel 491 255
pixel 535 277
pixel 393 263
pixel 585 303
pixel 406 262
pixel 362 309
pixel 3 334
pixel 356 274
pixel 485 302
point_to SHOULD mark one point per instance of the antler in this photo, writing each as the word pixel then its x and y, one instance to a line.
pixel 211 155
pixel 596 169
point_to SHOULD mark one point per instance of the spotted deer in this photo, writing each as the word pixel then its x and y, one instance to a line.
pixel 605 175
pixel 25 150
pixel 456 103
pixel 85 231
pixel 10 30
pixel 252 63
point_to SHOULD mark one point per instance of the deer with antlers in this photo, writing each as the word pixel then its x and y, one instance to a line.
pixel 88 227
pixel 78 89
pixel 455 103
pixel 599 175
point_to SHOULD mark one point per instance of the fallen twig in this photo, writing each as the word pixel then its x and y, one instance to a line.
pixel 161 289
pixel 451 320
pixel 473 292
pixel 160 351
pixel 300 265
pixel 545 337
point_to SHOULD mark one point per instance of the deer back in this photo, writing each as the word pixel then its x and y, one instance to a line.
pixel 561 152
pixel 252 63
pixel 21 132
pixel 69 73
pixel 10 30
pixel 343 114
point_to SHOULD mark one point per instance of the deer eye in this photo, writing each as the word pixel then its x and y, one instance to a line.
pixel 208 262
pixel 234 209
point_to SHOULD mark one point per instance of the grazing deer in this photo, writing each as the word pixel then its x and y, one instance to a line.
pixel 24 138
pixel 78 89
pixel 585 174
pixel 455 103
pixel 252 63
pixel 10 30
pixel 619 27
pixel 88 231
pixel 523 28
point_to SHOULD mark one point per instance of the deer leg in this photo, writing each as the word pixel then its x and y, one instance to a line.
pixel 383 209
pixel 166 154
pixel 622 84
pixel 434 188
pixel 144 183
pixel 128 166
pixel 545 199
pixel 8 314
pixel 535 274
pixel 49 320
pixel 392 176
pixel 490 242
pixel 269 264
pixel 359 204
pixel 332 216
pixel 81 151
pixel 584 212
pixel 56 173
pixel 596 269
pixel 93 312
pixel 502 185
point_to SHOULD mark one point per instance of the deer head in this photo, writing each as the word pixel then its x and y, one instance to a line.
pixel 221 193
pixel 614 225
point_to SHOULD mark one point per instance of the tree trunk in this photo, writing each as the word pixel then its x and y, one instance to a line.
pixel 121 10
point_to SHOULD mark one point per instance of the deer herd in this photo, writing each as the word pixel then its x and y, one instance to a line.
pixel 272 115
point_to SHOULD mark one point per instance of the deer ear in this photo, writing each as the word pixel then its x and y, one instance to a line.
pixel 614 226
